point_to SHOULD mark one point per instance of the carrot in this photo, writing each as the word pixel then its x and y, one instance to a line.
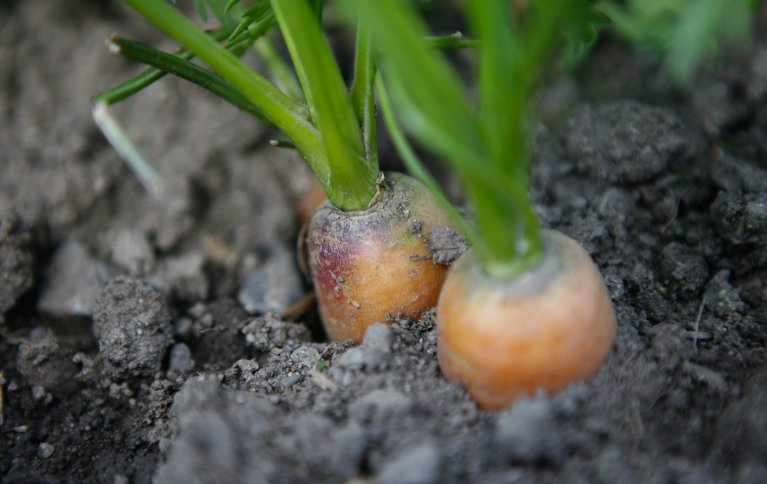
pixel 373 265
pixel 551 325
pixel 525 308
pixel 366 244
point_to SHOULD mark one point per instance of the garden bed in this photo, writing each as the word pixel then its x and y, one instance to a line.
pixel 133 345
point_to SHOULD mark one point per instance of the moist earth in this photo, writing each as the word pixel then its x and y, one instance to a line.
pixel 133 347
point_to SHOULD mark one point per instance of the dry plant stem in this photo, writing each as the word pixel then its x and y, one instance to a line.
pixel 372 265
pixel 504 339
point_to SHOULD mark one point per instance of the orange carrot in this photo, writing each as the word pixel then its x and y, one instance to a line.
pixel 373 265
pixel 550 326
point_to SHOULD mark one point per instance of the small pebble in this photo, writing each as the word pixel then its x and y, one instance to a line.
pixel 290 380
pixel 247 366
pixel 73 281
pixel 38 393
pixel 45 450
pixel 131 250
pixel 274 287
pixel 305 356
pixel 181 361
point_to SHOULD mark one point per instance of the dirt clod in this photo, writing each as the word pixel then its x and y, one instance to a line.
pixel 625 142
pixel 528 433
pixel 133 327
pixel 446 245
pixel 683 269
pixel 16 270
pixel 269 332
pixel 741 218
pixel 417 464
pixel 45 364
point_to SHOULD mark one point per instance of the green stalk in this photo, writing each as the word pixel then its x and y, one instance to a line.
pixel 416 167
pixel 147 77
pixel 184 69
pixel 279 71
pixel 452 41
pixel 363 92
pixel 485 145
pixel 285 113
pixel 351 185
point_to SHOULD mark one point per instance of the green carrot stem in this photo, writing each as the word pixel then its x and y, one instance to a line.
pixel 351 185
pixel 363 92
pixel 186 70
pixel 456 40
pixel 147 77
pixel 416 168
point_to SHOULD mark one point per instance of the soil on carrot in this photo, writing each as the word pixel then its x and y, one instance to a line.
pixel 147 337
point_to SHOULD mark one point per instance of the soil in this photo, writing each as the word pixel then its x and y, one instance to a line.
pixel 134 345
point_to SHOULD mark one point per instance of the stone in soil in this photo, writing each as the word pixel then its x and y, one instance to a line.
pixel 274 286
pixel 131 251
pixel 73 281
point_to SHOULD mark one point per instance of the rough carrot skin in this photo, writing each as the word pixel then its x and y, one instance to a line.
pixel 372 265
pixel 549 327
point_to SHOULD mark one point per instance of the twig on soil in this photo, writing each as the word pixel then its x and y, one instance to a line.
pixel 697 323
pixel 673 216
pixel 300 307
pixel 2 396
pixel 321 380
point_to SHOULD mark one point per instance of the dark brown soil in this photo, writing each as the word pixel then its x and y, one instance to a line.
pixel 128 352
